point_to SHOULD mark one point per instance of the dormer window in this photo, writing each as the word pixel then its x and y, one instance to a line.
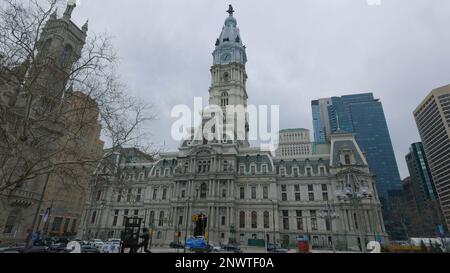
pixel 347 159
pixel 241 169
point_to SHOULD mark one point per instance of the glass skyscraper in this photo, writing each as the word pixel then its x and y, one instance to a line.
pixel 320 120
pixel 363 115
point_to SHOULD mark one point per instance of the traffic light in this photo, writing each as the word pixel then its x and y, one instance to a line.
pixel 194 218
pixel 206 235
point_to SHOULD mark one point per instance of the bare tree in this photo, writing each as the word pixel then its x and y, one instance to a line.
pixel 49 121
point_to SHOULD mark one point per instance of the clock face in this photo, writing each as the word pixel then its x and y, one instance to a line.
pixel 226 57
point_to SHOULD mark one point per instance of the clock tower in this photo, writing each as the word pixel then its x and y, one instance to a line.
pixel 228 76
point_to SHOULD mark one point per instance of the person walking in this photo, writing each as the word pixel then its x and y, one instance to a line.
pixel 146 237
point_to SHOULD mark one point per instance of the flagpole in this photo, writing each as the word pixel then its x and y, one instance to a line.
pixel 27 245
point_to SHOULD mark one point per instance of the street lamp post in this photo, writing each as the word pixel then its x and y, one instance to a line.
pixel 329 214
pixel 273 218
pixel 355 193
pixel 187 221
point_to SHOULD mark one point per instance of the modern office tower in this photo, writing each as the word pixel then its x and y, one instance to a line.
pixel 433 121
pixel 321 122
pixel 422 194
pixel 363 115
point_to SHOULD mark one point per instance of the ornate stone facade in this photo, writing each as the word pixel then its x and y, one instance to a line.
pixel 244 192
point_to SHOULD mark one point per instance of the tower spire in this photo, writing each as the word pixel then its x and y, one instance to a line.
pixel 85 26
pixel 71 4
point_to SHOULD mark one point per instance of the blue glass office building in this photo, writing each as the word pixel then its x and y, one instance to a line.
pixel 363 115
pixel 318 124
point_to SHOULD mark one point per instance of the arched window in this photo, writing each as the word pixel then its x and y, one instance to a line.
pixel 224 99
pixel 65 55
pixel 266 219
pixel 254 219
pixel 242 219
pixel 203 190
pixel 10 222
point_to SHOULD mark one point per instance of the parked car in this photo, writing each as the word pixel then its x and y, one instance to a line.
pixel 38 249
pixel 215 248
pixel 272 247
pixel 176 245
pixel 13 248
pixel 231 247
pixel 279 250
pixel 58 247
pixel 111 246
pixel 97 243
pixel 89 249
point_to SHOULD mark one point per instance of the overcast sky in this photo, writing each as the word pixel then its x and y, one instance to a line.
pixel 297 51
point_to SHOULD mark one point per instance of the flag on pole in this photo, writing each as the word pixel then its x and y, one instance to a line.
pixel 46 215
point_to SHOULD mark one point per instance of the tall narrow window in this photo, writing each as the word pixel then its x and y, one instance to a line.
pixel 356 221
pixel 10 222
pixel 254 219
pixel 283 193
pixel 253 192
pixel 313 220
pixel 93 217
pixel 125 216
pixel 161 218
pixel 138 196
pixel 266 219
pixel 164 194
pixel 152 217
pixel 265 192
pixel 99 195
pixel 285 220
pixel 129 195
pixel 46 48
pixel 297 192
pixel 65 56
pixel 155 192
pixel 242 219
pixel 116 217
pixel 242 193
pixel 203 190
pixel 299 219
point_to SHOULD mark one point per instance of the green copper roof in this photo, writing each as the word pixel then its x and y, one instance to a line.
pixel 293 130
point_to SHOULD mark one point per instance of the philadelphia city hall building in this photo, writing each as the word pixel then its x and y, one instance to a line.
pixel 230 192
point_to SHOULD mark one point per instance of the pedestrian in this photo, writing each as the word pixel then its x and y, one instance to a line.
pixel 146 237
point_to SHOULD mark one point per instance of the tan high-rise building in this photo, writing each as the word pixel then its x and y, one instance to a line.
pixel 433 121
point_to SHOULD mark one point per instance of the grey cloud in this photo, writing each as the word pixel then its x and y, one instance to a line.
pixel 298 50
